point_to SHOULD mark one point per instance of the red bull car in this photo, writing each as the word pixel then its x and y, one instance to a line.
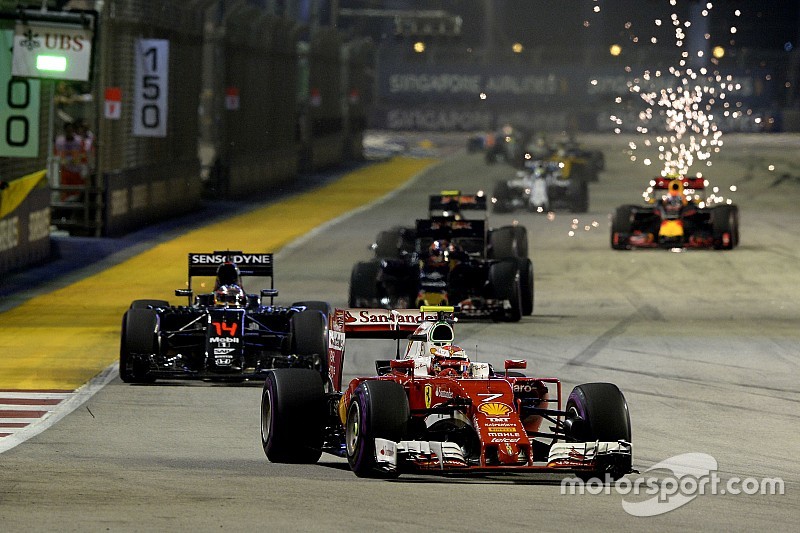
pixel 431 409
pixel 677 215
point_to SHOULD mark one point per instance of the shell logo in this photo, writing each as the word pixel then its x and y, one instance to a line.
pixel 494 409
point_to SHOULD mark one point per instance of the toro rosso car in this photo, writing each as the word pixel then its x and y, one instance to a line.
pixel 226 334
pixel 449 260
pixel 433 410
pixel 677 215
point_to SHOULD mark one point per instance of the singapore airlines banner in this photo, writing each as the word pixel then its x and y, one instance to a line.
pixel 468 98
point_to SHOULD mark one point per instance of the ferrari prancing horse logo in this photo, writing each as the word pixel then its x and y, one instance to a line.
pixel 428 394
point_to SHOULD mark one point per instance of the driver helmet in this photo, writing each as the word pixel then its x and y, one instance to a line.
pixel 439 252
pixel 228 274
pixel 675 198
pixel 229 296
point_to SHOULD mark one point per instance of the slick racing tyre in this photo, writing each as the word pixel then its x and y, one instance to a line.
pixel 725 227
pixel 505 284
pixel 501 198
pixel 526 285
pixel 508 241
pixel 599 412
pixel 309 334
pixel 378 409
pixel 315 305
pixel 388 244
pixel 364 284
pixel 621 227
pixel 148 304
pixel 292 415
pixel 579 196
pixel 138 343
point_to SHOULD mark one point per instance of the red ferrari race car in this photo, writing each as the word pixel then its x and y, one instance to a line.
pixel 431 409
pixel 677 215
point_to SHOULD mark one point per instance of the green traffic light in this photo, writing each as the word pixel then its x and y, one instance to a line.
pixel 53 63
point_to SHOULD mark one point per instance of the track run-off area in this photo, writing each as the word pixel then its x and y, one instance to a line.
pixel 705 346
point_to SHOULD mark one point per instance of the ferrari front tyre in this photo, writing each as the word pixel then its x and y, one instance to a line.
pixel 292 415
pixel 138 343
pixel 378 409
pixel 599 412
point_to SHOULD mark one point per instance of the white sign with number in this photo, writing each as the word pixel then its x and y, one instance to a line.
pixel 19 107
pixel 151 88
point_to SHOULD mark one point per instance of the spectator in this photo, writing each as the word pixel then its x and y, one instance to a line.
pixel 69 148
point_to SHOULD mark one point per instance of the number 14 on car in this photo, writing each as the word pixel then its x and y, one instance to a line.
pixel 151 88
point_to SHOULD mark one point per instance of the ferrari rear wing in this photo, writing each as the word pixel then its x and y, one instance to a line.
pixel 360 323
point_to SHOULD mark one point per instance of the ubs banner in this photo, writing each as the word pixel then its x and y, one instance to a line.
pixel 24 223
pixel 468 99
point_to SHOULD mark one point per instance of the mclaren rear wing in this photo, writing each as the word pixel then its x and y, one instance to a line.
pixel 206 264
pixel 360 323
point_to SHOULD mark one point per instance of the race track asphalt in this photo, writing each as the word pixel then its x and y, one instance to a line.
pixel 59 325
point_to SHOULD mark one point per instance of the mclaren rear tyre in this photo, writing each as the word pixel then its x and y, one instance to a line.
pixel 315 305
pixel 292 415
pixel 505 284
pixel 309 338
pixel 599 412
pixel 364 284
pixel 138 342
pixel 149 304
pixel 378 409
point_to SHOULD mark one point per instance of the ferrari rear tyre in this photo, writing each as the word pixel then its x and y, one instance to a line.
pixel 378 409
pixel 292 415
pixel 315 305
pixel 138 342
pixel 599 412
